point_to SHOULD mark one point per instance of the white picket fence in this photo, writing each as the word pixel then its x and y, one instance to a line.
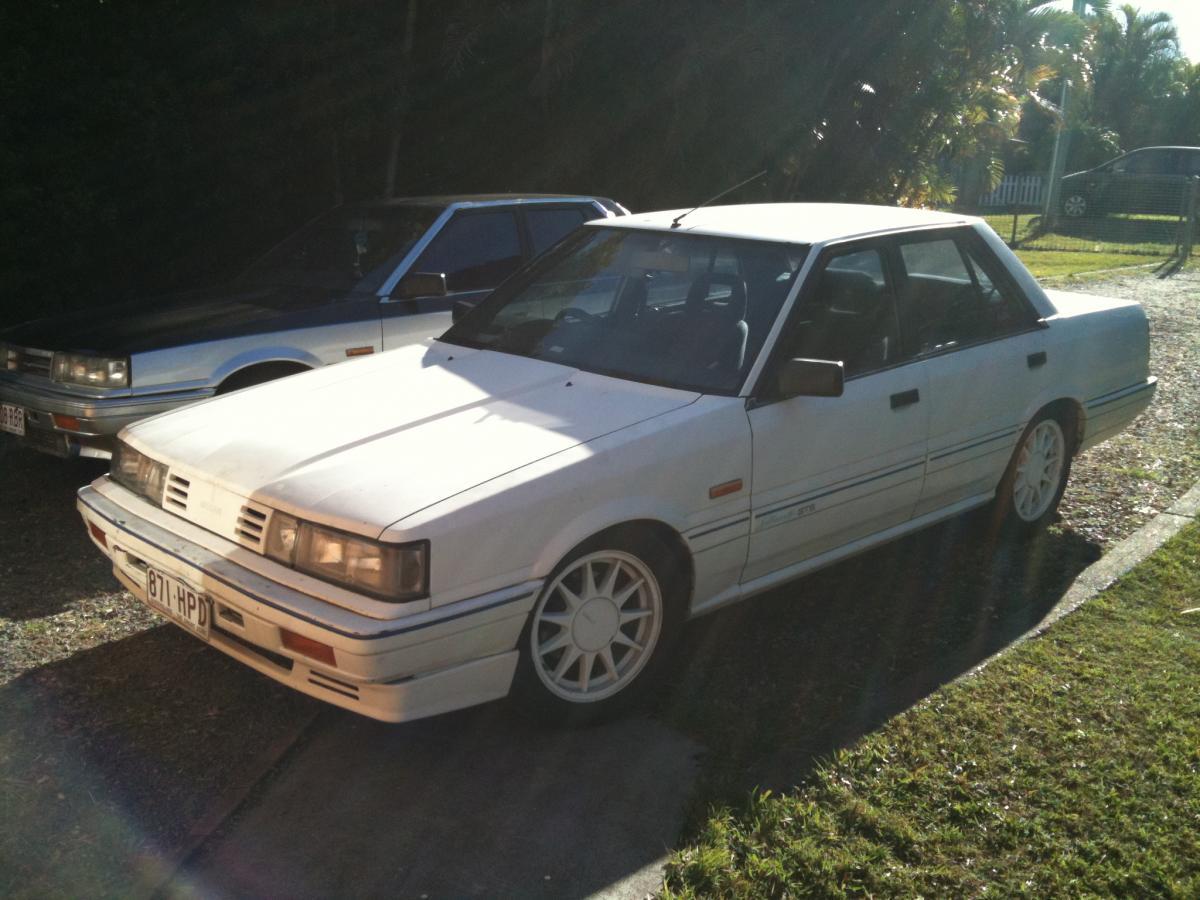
pixel 1015 190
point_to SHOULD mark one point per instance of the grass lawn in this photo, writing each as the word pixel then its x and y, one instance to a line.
pixel 1088 245
pixel 1069 766
pixel 1063 263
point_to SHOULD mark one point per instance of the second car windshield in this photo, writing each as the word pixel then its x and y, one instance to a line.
pixel 680 310
pixel 349 249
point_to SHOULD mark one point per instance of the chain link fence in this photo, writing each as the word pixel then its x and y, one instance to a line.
pixel 1152 217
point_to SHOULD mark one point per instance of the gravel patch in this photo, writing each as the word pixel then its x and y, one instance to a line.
pixel 1118 486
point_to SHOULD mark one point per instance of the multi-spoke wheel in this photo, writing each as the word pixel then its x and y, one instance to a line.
pixel 1039 469
pixel 600 624
pixel 1036 477
pixel 1075 206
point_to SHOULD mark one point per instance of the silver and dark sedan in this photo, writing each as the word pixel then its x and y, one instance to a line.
pixel 358 280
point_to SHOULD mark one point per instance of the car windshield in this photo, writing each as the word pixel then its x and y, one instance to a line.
pixel 349 249
pixel 680 310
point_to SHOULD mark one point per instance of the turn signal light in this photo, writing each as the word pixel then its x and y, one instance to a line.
pixel 67 423
pixel 308 647
pixel 98 534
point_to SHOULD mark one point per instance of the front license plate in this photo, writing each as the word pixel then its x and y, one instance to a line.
pixel 12 419
pixel 178 602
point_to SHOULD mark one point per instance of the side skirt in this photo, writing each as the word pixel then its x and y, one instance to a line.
pixel 766 582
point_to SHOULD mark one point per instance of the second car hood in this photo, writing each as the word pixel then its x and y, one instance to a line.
pixel 170 321
pixel 363 444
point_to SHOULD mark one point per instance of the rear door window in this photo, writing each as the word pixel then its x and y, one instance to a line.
pixel 548 226
pixel 954 295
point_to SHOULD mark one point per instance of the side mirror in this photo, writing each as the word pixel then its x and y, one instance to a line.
pixel 811 378
pixel 461 308
pixel 421 284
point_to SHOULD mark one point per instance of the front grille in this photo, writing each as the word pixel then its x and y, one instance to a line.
pixel 177 492
pixel 250 524
pixel 31 362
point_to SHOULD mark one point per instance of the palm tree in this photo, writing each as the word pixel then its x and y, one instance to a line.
pixel 1136 62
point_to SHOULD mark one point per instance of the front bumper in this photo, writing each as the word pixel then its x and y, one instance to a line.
pixel 99 418
pixel 449 657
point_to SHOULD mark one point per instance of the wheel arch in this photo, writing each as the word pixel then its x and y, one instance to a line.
pixel 227 378
pixel 1070 412
pixel 1071 415
pixel 668 536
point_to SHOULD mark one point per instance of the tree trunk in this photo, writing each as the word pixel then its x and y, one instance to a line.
pixel 401 108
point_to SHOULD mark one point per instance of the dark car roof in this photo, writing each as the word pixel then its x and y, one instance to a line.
pixel 447 199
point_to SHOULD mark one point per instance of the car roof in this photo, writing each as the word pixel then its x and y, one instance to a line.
pixel 806 223
pixel 466 199
pixel 1161 147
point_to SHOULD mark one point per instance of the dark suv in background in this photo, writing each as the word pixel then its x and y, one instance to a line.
pixel 1149 180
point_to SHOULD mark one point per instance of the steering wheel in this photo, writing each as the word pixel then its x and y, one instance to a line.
pixel 574 312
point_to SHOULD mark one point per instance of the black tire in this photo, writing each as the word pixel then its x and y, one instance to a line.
pixel 260 374
pixel 566 703
pixel 1014 514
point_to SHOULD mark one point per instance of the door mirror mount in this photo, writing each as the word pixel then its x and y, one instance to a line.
pixel 811 378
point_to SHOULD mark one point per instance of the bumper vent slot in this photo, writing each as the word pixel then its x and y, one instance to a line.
pixel 344 688
pixel 177 492
pixel 270 656
pixel 251 522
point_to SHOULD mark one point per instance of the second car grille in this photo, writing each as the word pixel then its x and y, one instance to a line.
pixel 31 362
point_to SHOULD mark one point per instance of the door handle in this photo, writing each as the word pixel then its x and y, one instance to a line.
pixel 906 398
pixel 1033 360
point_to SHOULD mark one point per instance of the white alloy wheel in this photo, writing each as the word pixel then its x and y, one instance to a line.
pixel 596 626
pixel 1039 470
pixel 1075 205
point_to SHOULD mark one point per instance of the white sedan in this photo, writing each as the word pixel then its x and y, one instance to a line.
pixel 665 414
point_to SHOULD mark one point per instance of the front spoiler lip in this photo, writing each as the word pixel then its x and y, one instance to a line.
pixel 254 585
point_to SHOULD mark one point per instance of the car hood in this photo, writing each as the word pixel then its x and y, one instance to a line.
pixel 167 321
pixel 361 445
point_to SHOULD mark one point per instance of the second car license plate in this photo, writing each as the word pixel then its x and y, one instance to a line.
pixel 180 603
pixel 12 419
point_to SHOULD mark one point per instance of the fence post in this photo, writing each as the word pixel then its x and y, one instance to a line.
pixel 1189 227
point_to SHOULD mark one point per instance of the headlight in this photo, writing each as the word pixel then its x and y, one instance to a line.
pixel 77 368
pixel 392 572
pixel 138 472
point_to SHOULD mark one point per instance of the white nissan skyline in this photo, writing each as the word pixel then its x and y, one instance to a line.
pixel 664 414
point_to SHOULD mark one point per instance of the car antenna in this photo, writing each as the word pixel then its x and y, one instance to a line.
pixel 679 218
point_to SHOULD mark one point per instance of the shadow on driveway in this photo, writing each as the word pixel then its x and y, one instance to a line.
pixel 773 684
pixel 46 558
pixel 110 757
pixel 474 804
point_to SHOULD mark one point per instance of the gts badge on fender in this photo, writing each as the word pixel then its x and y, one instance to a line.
pixel 787 514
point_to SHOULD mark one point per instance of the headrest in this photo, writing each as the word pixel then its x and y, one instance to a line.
pixel 731 302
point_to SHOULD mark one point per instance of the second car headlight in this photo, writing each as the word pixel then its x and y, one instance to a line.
pixel 138 472
pixel 100 371
pixel 392 572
